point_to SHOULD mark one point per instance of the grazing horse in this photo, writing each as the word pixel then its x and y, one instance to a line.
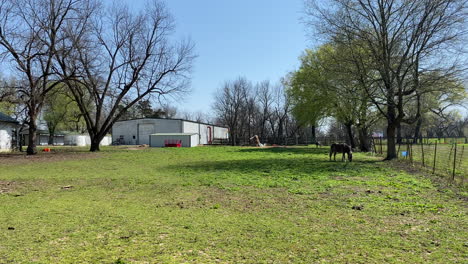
pixel 341 148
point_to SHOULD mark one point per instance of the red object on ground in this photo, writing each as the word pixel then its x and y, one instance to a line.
pixel 46 150
pixel 173 143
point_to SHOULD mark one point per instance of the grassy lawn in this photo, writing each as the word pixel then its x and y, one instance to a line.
pixel 223 205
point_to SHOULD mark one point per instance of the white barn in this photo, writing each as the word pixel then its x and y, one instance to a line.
pixel 138 131
pixel 8 130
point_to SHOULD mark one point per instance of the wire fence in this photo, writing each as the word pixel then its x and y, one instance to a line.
pixel 448 160
pixel 445 157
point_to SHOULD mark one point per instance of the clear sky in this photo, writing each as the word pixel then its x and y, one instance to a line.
pixel 257 39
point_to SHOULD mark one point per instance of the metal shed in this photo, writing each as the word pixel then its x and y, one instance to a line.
pixel 138 131
pixel 161 139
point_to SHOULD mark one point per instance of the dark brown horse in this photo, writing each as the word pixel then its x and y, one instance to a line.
pixel 341 148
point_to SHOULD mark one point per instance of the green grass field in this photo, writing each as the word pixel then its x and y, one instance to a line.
pixel 223 205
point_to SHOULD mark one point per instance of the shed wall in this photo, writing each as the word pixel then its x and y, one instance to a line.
pixel 221 133
pixel 206 132
pixel 137 132
pixel 6 136
pixel 187 140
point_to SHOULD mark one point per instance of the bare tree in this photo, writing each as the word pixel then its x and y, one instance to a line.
pixel 279 114
pixel 265 101
pixel 403 39
pixel 30 31
pixel 120 58
pixel 230 100
pixel 168 111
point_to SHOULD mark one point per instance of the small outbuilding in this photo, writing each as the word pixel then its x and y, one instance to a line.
pixel 186 140
pixel 8 132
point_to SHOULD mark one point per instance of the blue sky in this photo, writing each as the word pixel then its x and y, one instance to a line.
pixel 258 39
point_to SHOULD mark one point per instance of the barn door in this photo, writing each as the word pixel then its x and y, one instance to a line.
pixel 144 132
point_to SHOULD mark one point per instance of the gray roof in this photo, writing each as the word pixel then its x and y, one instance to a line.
pixel 6 119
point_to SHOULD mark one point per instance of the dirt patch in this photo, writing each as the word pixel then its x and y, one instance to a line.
pixel 140 147
pixel 7 186
pixel 22 158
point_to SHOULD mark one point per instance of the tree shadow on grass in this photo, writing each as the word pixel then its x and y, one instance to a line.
pixel 294 168
pixel 293 150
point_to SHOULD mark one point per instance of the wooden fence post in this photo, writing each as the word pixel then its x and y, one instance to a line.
pixel 435 156
pixel 411 153
pixel 381 150
pixel 454 162
pixel 407 151
pixel 460 163
pixel 373 145
pixel 422 153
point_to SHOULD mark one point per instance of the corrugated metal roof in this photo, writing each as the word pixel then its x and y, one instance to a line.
pixel 7 119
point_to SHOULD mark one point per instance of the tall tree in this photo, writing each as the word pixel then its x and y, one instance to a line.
pixel 308 91
pixel 120 58
pixel 230 100
pixel 264 94
pixel 30 31
pixel 328 86
pixel 403 38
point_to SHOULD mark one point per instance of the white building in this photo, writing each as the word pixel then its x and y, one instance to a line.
pixel 138 131
pixel 83 140
pixel 8 130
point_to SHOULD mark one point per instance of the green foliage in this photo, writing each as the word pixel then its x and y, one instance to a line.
pixel 328 84
pixel 223 204
pixel 308 88
pixel 7 108
pixel 61 112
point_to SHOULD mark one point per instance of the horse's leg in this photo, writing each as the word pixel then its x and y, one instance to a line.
pixel 343 157
pixel 334 156
pixel 330 154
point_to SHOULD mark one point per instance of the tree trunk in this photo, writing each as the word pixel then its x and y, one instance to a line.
pixel 32 150
pixel 233 138
pixel 314 138
pixel 349 131
pixel 95 141
pixel 398 127
pixel 51 136
pixel 364 144
pixel 280 132
pixel 391 146
pixel 417 130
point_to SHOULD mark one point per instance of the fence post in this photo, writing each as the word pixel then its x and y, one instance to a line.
pixel 398 151
pixel 435 156
pixel 460 163
pixel 381 150
pixel 373 144
pixel 422 153
pixel 407 151
pixel 411 153
pixel 454 162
